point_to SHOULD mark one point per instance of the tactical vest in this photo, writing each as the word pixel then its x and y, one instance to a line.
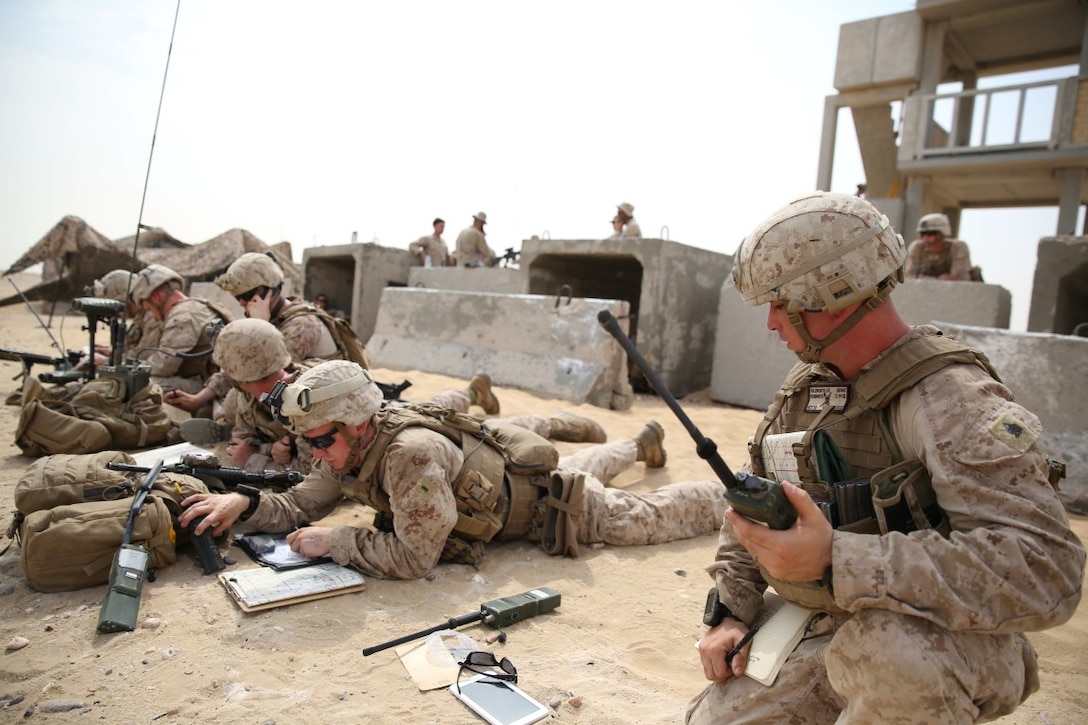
pixel 348 344
pixel 202 366
pixel 505 470
pixel 853 415
pixel 936 264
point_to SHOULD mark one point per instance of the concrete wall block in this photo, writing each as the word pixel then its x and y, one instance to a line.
pixel 353 277
pixel 1059 294
pixel 964 303
pixel 501 280
pixel 672 288
pixel 521 341
pixel 1045 372
pixel 750 361
pixel 879 51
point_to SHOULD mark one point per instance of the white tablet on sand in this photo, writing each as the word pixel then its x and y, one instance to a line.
pixel 499 702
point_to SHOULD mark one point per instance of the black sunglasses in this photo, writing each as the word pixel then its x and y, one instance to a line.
pixel 929 234
pixel 484 663
pixel 247 296
pixel 323 441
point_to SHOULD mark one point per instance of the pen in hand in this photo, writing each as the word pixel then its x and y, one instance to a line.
pixel 740 645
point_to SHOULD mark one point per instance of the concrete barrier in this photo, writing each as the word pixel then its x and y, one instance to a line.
pixel 672 290
pixel 501 280
pixel 353 276
pixel 750 361
pixel 522 341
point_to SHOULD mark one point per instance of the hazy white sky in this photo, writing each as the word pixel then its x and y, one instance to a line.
pixel 307 121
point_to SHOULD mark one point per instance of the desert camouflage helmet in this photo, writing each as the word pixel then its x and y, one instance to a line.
pixel 250 349
pixel 150 278
pixel 820 252
pixel 114 285
pixel 935 223
pixel 250 271
pixel 336 391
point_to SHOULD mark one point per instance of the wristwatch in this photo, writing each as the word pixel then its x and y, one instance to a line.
pixel 254 495
pixel 714 611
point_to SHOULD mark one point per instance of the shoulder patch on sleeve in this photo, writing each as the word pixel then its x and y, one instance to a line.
pixel 1014 432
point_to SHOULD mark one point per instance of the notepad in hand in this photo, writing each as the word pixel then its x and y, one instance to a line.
pixel 781 625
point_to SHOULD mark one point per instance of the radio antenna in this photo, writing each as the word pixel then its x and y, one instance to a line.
pixel 154 134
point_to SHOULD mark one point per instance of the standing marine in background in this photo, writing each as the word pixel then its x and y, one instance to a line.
pixel 432 250
pixel 624 224
pixel 471 248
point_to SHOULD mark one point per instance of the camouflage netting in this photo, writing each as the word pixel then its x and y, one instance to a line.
pixel 72 239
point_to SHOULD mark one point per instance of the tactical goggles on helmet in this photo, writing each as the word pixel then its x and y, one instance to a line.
pixel 295 401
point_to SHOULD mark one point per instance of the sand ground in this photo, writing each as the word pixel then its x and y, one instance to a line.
pixel 620 644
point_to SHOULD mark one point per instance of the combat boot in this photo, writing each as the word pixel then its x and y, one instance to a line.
pixel 651 447
pixel 479 393
pixel 204 431
pixel 575 429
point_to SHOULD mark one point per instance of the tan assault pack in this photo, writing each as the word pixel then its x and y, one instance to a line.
pixel 72 513
pixel 342 333
pixel 98 417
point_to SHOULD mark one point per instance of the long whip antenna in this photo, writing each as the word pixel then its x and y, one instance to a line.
pixel 154 134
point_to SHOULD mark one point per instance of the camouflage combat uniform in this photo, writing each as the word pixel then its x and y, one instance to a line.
pixel 944 617
pixel 254 423
pixel 142 333
pixel 305 335
pixel 471 247
pixel 416 475
pixel 631 230
pixel 954 258
pixel 183 331
pixel 306 338
pixel 434 247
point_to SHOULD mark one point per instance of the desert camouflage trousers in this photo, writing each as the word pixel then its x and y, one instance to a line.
pixel 621 518
pixel 882 667
pixel 458 400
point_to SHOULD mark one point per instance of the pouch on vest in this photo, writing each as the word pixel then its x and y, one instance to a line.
pixel 904 500
pixel 525 452
pixel 71 547
pixel 477 500
pixel 562 510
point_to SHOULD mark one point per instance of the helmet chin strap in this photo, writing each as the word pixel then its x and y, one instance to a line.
pixel 813 347
pixel 357 445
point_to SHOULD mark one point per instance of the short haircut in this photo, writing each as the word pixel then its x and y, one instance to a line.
pixel 437 221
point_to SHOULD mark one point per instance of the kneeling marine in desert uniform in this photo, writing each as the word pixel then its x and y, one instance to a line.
pixel 930 536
